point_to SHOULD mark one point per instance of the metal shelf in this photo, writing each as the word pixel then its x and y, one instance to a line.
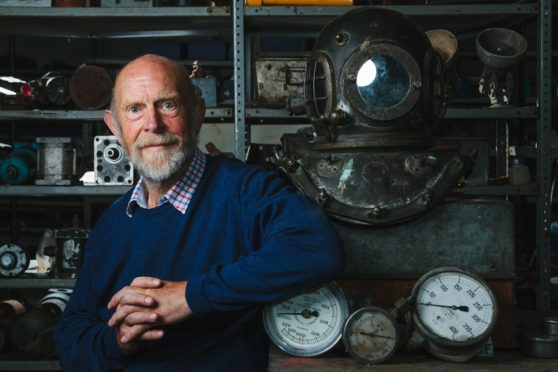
pixel 7 190
pixel 413 10
pixel 29 365
pixel 522 112
pixel 85 115
pixel 37 282
pixel 269 19
pixel 116 22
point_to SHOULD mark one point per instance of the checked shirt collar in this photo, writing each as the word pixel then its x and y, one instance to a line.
pixel 179 195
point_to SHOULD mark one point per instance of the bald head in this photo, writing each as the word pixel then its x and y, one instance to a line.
pixel 166 68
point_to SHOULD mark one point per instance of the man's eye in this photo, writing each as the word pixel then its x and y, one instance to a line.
pixel 134 109
pixel 169 105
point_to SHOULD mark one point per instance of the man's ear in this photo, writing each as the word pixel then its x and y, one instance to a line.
pixel 200 115
pixel 109 121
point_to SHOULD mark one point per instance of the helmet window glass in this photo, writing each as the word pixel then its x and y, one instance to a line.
pixel 383 81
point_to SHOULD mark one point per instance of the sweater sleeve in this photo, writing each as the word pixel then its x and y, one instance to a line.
pixel 83 341
pixel 292 246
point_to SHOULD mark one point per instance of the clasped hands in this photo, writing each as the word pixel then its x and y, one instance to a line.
pixel 144 307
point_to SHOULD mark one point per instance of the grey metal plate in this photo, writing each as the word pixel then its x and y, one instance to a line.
pixel 472 234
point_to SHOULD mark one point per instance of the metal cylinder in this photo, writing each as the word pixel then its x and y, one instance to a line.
pixel 91 87
pixel 33 332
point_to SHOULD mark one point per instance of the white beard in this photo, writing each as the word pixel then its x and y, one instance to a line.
pixel 161 165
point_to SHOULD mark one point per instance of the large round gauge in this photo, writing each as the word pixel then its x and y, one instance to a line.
pixel 371 335
pixel 308 323
pixel 454 311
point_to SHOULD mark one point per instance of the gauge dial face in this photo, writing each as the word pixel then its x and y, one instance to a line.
pixel 455 305
pixel 371 335
pixel 309 323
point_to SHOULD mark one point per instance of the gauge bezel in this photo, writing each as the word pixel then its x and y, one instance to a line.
pixel 355 316
pixel 442 341
pixel 325 345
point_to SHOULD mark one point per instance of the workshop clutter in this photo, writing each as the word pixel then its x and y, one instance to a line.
pixel 28 325
pixel 59 254
pixel 88 87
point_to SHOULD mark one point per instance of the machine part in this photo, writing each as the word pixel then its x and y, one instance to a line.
pixel 499 49
pixel 13 260
pixel 19 166
pixel 541 343
pixel 45 262
pixel 371 335
pixel 49 90
pixel 69 251
pixel 9 311
pixel 445 43
pixel 453 313
pixel 33 332
pixel 279 79
pixel 91 87
pixel 307 324
pixel 550 325
pixel 57 298
pixel 56 161
pixel 208 90
pixel 392 184
pixel 111 165
pixel 126 3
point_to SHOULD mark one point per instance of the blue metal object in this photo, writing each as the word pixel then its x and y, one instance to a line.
pixel 19 166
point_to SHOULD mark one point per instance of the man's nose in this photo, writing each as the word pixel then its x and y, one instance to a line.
pixel 153 122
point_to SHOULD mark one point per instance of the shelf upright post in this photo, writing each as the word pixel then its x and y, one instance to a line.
pixel 545 158
pixel 239 82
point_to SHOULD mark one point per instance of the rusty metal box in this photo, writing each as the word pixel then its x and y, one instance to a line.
pixel 278 79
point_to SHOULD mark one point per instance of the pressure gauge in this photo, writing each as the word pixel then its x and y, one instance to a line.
pixel 309 323
pixel 453 312
pixel 371 335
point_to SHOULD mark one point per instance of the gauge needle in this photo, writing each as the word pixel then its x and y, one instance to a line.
pixel 453 307
pixel 305 313
pixel 375 335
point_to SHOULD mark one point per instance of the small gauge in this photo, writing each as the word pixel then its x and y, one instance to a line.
pixel 307 324
pixel 371 335
pixel 454 311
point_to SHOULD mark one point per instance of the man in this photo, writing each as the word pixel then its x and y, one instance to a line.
pixel 177 270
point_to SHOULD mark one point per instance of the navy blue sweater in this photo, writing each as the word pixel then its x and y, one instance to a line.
pixel 246 239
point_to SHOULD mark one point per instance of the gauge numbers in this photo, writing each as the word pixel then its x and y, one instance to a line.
pixel 455 305
pixel 307 324
pixel 371 335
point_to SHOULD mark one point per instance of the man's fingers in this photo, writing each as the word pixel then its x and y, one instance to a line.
pixel 125 311
pixel 152 334
pixel 130 296
pixel 129 334
pixel 141 317
pixel 146 282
